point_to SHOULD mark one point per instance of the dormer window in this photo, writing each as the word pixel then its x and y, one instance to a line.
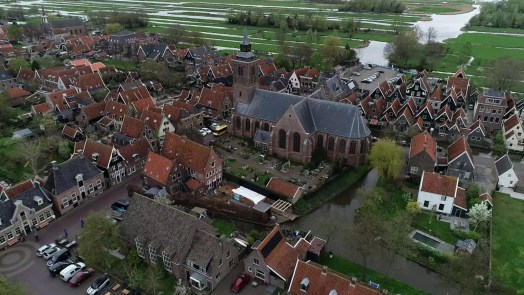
pixel 39 201
pixel 79 177
pixel 94 156
pixel 304 284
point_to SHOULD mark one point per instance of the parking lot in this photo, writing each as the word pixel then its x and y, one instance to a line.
pixel 364 74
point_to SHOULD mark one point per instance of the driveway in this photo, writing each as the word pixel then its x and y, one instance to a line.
pixel 224 286
pixel 20 263
pixel 483 174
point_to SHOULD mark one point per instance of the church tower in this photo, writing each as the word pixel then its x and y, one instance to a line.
pixel 245 72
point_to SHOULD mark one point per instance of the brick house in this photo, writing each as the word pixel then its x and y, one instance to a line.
pixel 183 245
pixel 134 155
pixel 198 162
pixel 513 133
pixel 161 172
pixel 64 27
pixel 72 182
pixel 490 109
pixel 292 192
pixel 422 154
pixel 107 158
pixel 24 208
pixel 271 260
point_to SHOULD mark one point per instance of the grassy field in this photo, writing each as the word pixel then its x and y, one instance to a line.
pixel 429 224
pixel 495 30
pixel 508 242
pixel 351 269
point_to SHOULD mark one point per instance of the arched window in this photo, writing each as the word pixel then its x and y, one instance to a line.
pixel 238 123
pixel 257 125
pixel 248 125
pixel 342 146
pixel 352 147
pixel 320 141
pixel 282 139
pixel 331 144
pixel 296 142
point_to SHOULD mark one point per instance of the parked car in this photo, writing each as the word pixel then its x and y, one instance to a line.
pixel 240 283
pixel 81 276
pixel 98 285
pixel 67 273
pixel 56 268
pixel 41 250
pixel 60 255
pixel 50 252
pixel 120 205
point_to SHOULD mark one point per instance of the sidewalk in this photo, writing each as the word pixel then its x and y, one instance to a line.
pixel 512 193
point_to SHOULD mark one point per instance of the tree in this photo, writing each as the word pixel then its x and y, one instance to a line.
pixel 431 35
pixel 465 52
pixel 35 65
pixel 98 237
pixel 113 28
pixel 368 226
pixel 472 194
pixel 413 208
pixel 151 70
pixel 333 52
pixel 387 157
pixel 404 46
pixel 15 32
pixel 176 34
pixel 505 73
pixel 8 287
pixel 30 151
pixel 478 214
pixel 16 64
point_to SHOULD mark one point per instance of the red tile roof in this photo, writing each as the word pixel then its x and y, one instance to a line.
pixel 140 148
pixel 436 94
pixel 143 104
pixel 132 127
pixel 210 98
pixel 90 81
pixel 152 119
pixel 41 108
pixel 282 257
pixel 26 75
pixel 438 184
pixel 94 111
pixel 80 62
pixel 322 281
pixel 267 69
pixel 511 122
pixel 186 152
pixel 158 168
pixel 19 189
pixel 459 84
pixel 283 187
pixel 116 109
pixel 423 142
pixel 460 199
pixel 193 184
pixel 69 131
pixel 134 94
pixel 459 147
pixel 221 71
pixel 104 151
pixel 478 125
pixel 486 197
pixel 17 92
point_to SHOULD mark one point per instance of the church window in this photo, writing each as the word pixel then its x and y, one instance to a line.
pixel 296 142
pixel 331 144
pixel 282 139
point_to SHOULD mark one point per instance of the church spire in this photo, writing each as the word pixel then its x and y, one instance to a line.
pixel 245 45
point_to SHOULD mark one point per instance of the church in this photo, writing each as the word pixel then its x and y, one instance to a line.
pixel 292 126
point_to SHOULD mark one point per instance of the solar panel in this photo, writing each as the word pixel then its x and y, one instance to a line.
pixel 273 242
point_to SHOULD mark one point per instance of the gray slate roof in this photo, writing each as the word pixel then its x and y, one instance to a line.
pixel 152 51
pixel 334 86
pixel 179 233
pixel 122 37
pixel 262 136
pixel 8 208
pixel 63 177
pixel 503 164
pixel 5 76
pixel 315 115
pixel 66 23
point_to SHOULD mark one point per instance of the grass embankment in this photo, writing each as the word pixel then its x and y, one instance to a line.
pixel 508 242
pixel 329 190
pixel 352 269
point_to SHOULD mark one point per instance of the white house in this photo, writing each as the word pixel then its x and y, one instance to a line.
pixel 441 194
pixel 513 133
pixel 505 172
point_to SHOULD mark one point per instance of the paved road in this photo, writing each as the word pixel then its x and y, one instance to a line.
pixel 21 264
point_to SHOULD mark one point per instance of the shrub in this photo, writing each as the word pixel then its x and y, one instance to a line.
pixel 467 235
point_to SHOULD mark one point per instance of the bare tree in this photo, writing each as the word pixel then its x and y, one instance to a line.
pixel 505 73
pixel 431 35
pixel 30 151
pixel 177 34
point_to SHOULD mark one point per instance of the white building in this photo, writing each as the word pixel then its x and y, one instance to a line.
pixel 441 194
pixel 506 174
pixel 513 133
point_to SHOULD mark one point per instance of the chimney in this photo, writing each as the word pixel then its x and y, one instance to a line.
pixel 353 282
pixel 324 270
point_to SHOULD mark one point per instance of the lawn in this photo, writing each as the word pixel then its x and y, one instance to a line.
pixel 508 242
pixel 224 226
pixel 352 269
pixel 436 9
pixel 429 224
pixel 120 64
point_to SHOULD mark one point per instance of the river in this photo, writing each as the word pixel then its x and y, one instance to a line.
pixel 446 26
pixel 384 261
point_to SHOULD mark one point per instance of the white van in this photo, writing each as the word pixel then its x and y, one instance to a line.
pixel 67 273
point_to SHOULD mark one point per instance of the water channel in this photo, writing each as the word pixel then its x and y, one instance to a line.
pixel 446 26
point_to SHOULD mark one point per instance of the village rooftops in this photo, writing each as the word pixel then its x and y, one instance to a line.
pixel 439 184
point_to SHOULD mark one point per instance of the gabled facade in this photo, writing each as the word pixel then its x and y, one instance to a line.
pixel 460 159
pixel 72 182
pixel 513 133
pixel 107 158
pixel 441 194
pixel 505 172
pixel 419 90
pixel 422 154
pixel 490 109
pixel 186 247
pixel 161 172
pixel 24 208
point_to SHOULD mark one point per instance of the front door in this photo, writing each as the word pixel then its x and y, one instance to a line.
pixel 27 228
